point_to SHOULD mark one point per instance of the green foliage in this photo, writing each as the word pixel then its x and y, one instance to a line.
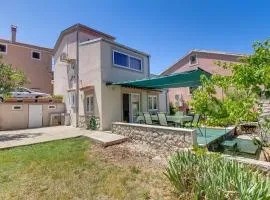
pixel 172 108
pixel 10 78
pixel 92 124
pixel 135 170
pixel 209 176
pixel 57 97
pixel 242 89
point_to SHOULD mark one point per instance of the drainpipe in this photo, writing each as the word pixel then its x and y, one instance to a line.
pixel 148 60
pixel 167 105
pixel 77 77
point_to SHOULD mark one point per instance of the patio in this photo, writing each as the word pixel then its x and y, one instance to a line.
pixel 24 137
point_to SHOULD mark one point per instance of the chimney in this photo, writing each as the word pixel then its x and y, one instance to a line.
pixel 13 33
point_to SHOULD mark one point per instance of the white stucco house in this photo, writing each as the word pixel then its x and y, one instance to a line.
pixel 101 61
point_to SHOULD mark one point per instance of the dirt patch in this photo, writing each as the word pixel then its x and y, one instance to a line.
pixel 142 160
pixel 132 154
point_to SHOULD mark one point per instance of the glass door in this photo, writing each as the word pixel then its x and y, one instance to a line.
pixel 135 106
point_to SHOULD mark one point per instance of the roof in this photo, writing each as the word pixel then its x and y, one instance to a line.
pixel 183 79
pixel 49 50
pixel 204 51
pixel 82 28
pixel 216 52
pixel 114 43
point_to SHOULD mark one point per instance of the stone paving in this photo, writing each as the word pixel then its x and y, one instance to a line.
pixel 15 138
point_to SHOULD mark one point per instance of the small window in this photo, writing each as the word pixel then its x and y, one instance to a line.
pixel 193 60
pixel 72 99
pixel 51 107
pixel 152 102
pixel 191 90
pixel 89 103
pixel 36 55
pixel 3 48
pixel 17 107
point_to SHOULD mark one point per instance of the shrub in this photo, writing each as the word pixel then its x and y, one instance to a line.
pixel 92 124
pixel 209 176
pixel 57 97
pixel 172 108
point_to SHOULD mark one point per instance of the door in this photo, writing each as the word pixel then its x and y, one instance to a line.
pixel 135 106
pixel 35 116
pixel 126 107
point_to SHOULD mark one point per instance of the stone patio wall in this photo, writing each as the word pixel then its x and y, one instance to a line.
pixel 159 137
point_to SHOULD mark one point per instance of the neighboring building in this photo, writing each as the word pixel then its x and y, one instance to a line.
pixel 101 61
pixel 35 61
pixel 197 59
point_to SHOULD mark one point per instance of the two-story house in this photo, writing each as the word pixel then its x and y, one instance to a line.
pixel 100 60
pixel 203 59
pixel 34 61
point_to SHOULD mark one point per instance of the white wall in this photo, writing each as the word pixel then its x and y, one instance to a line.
pixel 90 75
pixel 62 84
pixel 111 73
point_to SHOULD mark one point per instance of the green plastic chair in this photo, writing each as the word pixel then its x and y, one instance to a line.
pixel 147 118
pixel 195 121
pixel 162 119
pixel 179 113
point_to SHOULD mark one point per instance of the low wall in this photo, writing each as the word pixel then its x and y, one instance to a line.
pixel 159 137
pixel 11 119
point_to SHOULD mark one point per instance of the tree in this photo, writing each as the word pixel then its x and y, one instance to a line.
pixel 10 78
pixel 249 80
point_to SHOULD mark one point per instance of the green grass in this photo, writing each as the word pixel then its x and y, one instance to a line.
pixel 70 169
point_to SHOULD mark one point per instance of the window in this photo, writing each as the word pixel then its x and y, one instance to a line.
pixel 17 107
pixel 51 107
pixel 121 59
pixel 3 48
pixel 72 99
pixel 89 103
pixel 135 63
pixel 152 102
pixel 36 55
pixel 191 90
pixel 127 61
pixel 193 60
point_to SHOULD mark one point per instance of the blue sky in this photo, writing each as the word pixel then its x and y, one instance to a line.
pixel 165 29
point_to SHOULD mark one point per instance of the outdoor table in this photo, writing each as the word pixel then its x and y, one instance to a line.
pixel 170 118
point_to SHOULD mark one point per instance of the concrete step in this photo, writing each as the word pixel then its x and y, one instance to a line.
pixel 106 138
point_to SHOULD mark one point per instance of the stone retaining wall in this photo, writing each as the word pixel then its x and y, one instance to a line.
pixel 159 137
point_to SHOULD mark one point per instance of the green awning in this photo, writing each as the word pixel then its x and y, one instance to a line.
pixel 184 79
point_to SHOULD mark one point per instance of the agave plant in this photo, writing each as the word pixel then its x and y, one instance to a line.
pixel 209 176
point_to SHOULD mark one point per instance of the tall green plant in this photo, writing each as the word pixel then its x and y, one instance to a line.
pixel 209 176
pixel 249 79
pixel 172 108
pixel 10 78
pixel 92 123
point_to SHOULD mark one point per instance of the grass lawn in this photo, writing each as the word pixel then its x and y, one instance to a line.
pixel 73 169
